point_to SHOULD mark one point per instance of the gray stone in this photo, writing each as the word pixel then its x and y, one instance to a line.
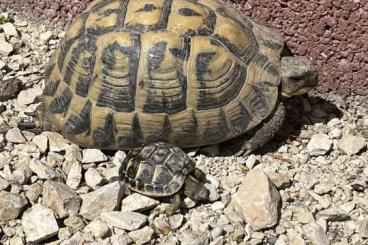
pixel 303 215
pixel 4 184
pixel 129 221
pixel 142 236
pixel 105 198
pixel 348 207
pixel 41 170
pixel 76 239
pixel 61 199
pixel 138 203
pixel 9 89
pixel 323 188
pixel 74 222
pixel 11 205
pixel 280 180
pixel 57 142
pixel 46 36
pixel 333 214
pixel 5 159
pixel 93 155
pixel 98 228
pixel 363 228
pixel 26 97
pixel 218 241
pixel 175 221
pixel 39 224
pixel 34 192
pixel 41 141
pixel 315 234
pixel 22 175
pixel 319 145
pixel 75 175
pixel 14 135
pixel 294 237
pixel 93 178
pixel 257 201
pixel 351 144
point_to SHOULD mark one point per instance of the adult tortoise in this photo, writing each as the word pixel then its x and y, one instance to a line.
pixel 186 72
pixel 162 170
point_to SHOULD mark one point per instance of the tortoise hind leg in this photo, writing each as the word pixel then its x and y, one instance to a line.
pixel 264 133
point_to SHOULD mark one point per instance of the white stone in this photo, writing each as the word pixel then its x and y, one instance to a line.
pixel 251 161
pixel 46 36
pixel 217 206
pixel 257 201
pixel 57 142
pixel 41 141
pixel 294 237
pixel 351 144
pixel 129 221
pixel 303 215
pixel 26 97
pixel 11 205
pixel 93 156
pixel 319 145
pixel 93 178
pixel 142 236
pixel 39 224
pixel 363 228
pixel 137 202
pixel 9 29
pixel 323 188
pixel 41 170
pixel 5 48
pixel 14 135
pixel 75 175
pixel 335 133
pixel 105 198
pixel 98 228
pixel 315 234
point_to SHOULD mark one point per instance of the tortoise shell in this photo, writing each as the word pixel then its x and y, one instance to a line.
pixel 186 72
pixel 156 170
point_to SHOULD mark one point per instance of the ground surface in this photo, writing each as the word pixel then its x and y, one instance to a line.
pixel 332 33
pixel 57 193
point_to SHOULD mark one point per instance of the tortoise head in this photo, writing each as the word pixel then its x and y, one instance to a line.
pixel 298 76
pixel 194 187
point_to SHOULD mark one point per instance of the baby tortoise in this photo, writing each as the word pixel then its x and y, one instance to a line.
pixel 189 73
pixel 162 170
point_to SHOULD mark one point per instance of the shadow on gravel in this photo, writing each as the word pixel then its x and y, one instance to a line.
pixel 301 111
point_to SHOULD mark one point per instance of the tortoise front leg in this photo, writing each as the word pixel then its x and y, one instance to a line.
pixel 263 133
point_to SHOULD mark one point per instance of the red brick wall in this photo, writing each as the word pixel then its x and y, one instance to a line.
pixel 333 32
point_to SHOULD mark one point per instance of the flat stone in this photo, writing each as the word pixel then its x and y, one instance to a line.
pixel 98 228
pixel 11 205
pixel 61 199
pixel 10 88
pixel 315 234
pixel 14 135
pixel 5 159
pixel 39 224
pixel 74 177
pixel 323 188
pixel 351 144
pixel 257 201
pixel 4 184
pixel 363 228
pixel 251 161
pixel 93 156
pixel 41 142
pixel 26 97
pixel 280 180
pixel 22 175
pixel 41 170
pixel 175 221
pixel 9 29
pixel 57 142
pixel 34 192
pixel 5 48
pixel 319 145
pixel 142 236
pixel 347 207
pixel 217 206
pixel 295 238
pixel 93 178
pixel 105 198
pixel 333 214
pixel 46 36
pixel 303 215
pixel 138 203
pixel 129 221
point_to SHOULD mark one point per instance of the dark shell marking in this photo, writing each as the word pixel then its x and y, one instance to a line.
pixel 186 72
pixel 156 170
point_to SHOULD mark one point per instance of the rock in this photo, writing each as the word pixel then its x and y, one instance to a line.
pixel 39 224
pixel 347 207
pixel 93 155
pixel 315 234
pixel 61 199
pixel 74 222
pixel 4 127
pixel 319 145
pixel 294 238
pixel 34 192
pixel 76 239
pixel 129 221
pixel 105 198
pixel 46 36
pixel 3 184
pixel 251 161
pixel 351 144
pixel 280 180
pixel 5 159
pixel 303 215
pixel 217 206
pixel 98 228
pixel 363 228
pixel 9 29
pixel 64 233
pixel 41 141
pixel 5 48
pixel 22 175
pixel 57 142
pixel 14 135
pixel 10 88
pixel 119 239
pixel 11 205
pixel 142 236
pixel 218 241
pixel 41 170
pixel 26 97
pixel 323 188
pixel 175 221
pixel 335 133
pixel 138 203
pixel 333 214
pixel 257 201
pixel 75 175
pixel 93 178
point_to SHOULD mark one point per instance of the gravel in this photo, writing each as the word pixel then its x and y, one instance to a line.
pixel 321 191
